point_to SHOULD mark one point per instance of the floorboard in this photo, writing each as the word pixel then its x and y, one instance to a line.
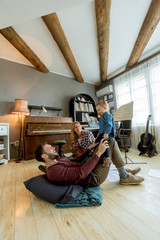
pixel 127 212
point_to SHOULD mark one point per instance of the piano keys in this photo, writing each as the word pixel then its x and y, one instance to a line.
pixel 44 132
pixel 39 129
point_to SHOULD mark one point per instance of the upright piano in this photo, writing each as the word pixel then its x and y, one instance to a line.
pixel 39 129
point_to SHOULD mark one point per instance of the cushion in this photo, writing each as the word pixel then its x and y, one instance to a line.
pixel 91 196
pixel 41 187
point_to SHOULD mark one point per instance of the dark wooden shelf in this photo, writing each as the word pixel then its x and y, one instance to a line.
pixel 84 112
pixel 83 101
pixel 47 108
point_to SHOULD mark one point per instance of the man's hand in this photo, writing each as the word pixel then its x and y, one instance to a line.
pixel 105 135
pixel 102 147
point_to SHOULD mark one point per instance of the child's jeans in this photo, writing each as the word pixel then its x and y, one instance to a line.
pixel 99 138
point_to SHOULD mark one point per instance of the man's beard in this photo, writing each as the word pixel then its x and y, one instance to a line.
pixel 53 156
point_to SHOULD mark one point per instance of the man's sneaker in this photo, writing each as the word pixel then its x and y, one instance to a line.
pixel 133 171
pixel 131 180
pixel 42 168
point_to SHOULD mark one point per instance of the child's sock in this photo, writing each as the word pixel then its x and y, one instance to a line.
pixel 123 173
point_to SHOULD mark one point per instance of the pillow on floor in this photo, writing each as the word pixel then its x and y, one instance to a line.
pixel 41 187
pixel 91 196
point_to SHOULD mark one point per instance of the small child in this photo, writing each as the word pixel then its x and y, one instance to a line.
pixel 106 125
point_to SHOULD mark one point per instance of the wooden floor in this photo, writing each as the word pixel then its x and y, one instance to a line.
pixel 127 212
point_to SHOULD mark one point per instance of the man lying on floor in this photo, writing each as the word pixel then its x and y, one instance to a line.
pixel 64 171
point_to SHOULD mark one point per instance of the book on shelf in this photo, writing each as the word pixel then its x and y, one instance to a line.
pixel 93 119
pixel 86 107
pixel 87 117
pixel 90 106
pixel 77 106
pixel 80 106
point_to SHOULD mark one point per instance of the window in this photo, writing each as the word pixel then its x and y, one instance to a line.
pixel 142 86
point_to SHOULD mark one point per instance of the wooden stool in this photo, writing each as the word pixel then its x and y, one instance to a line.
pixel 60 143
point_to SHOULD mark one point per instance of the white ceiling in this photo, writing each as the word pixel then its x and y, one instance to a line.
pixel 78 21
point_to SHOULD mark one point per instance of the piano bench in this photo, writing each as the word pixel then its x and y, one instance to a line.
pixel 60 143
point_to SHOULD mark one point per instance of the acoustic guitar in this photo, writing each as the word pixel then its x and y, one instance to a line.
pixel 146 144
pixel 75 149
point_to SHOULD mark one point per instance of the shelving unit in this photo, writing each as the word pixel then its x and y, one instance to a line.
pixel 82 109
pixel 4 143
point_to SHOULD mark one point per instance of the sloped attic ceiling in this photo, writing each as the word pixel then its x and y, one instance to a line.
pixel 87 40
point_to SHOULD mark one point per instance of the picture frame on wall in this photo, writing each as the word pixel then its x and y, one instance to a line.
pixel 105 98
pixel 110 96
pixel 112 110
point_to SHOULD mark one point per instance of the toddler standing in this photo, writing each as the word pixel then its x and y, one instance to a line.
pixel 106 125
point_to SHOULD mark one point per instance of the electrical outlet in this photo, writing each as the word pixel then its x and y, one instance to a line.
pixel 12 143
pixel 16 143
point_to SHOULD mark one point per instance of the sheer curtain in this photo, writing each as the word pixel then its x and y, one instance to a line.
pixel 142 86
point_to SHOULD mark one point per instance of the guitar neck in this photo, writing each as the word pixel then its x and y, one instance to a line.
pixel 71 146
pixel 147 126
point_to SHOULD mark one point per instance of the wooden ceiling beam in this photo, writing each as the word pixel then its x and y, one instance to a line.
pixel 150 22
pixel 55 28
pixel 11 35
pixel 102 8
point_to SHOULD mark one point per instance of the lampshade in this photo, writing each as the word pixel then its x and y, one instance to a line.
pixel 21 106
